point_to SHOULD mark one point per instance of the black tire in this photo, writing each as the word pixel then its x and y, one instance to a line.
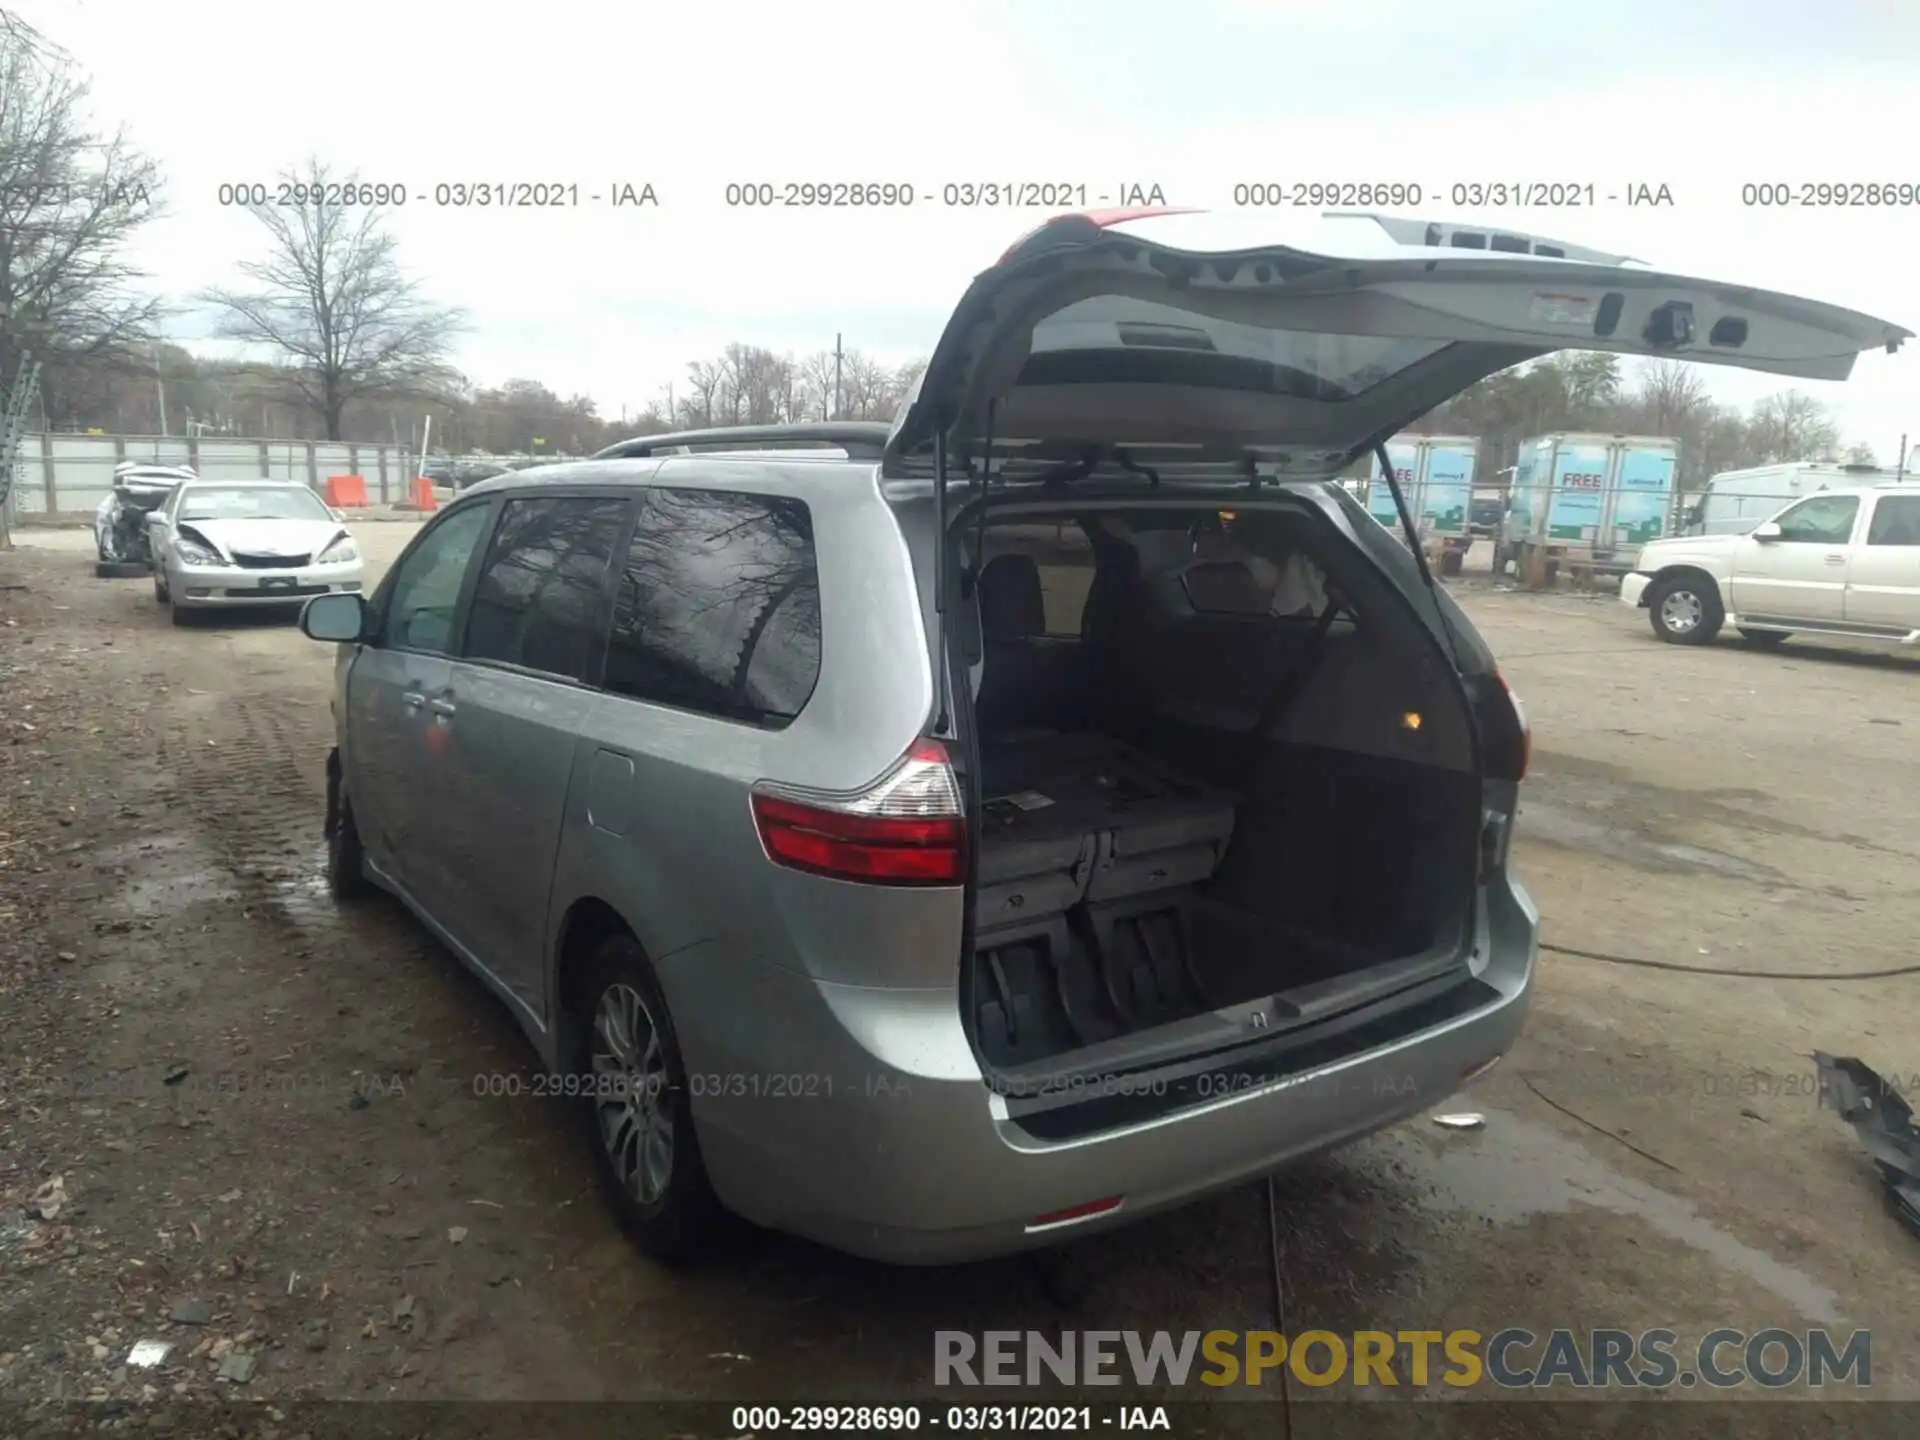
pixel 1453 562
pixel 122 569
pixel 346 859
pixel 1690 596
pixel 673 1216
pixel 183 617
pixel 1764 639
pixel 160 595
pixel 1553 571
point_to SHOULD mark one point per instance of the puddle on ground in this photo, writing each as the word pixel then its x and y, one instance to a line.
pixel 1514 1170
pixel 298 890
pixel 1556 825
pixel 166 875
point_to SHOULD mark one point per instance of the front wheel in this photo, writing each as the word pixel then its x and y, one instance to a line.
pixel 635 1093
pixel 1686 610
pixel 346 858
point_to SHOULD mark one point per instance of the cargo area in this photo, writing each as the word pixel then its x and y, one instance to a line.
pixel 1223 770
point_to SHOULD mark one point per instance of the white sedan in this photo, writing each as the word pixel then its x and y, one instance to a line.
pixel 235 543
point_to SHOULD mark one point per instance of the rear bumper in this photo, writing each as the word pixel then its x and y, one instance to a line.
pixel 858 1117
pixel 1633 589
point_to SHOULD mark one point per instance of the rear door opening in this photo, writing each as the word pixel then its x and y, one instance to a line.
pixel 1228 783
pixel 1236 778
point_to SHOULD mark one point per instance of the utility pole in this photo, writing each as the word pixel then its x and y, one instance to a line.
pixel 836 379
pixel 1900 465
pixel 159 388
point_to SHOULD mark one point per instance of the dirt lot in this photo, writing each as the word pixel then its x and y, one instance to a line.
pixel 263 1112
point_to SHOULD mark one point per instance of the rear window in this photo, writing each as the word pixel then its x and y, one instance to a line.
pixel 718 606
pixel 1118 339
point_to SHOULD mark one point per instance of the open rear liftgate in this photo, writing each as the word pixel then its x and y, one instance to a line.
pixel 1090 856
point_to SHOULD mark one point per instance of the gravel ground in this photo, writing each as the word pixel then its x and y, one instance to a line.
pixel 242 1122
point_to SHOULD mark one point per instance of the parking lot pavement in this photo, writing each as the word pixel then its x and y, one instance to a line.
pixel 351 1172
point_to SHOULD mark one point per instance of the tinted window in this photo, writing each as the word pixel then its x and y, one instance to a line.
pixel 426 588
pixel 1822 520
pixel 537 602
pixel 1896 521
pixel 719 606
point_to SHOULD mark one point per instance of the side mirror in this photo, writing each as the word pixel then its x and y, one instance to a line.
pixel 337 514
pixel 340 618
pixel 1768 531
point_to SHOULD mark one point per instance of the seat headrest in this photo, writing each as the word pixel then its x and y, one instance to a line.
pixel 1011 603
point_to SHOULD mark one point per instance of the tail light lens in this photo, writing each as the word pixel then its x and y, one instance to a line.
pixel 906 828
pixel 1506 742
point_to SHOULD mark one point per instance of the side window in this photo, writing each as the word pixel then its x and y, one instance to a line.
pixel 537 601
pixel 419 609
pixel 719 606
pixel 1896 521
pixel 1820 520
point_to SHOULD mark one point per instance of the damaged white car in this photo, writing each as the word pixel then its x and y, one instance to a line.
pixel 236 543
pixel 120 521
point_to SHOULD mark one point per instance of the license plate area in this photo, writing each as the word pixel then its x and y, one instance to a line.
pixel 279 582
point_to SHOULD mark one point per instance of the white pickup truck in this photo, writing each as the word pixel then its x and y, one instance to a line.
pixel 1842 562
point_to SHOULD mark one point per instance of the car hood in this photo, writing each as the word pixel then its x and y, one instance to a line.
pixel 255 536
pixel 1100 331
pixel 1678 547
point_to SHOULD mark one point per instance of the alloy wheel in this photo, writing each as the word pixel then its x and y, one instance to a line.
pixel 1681 611
pixel 631 1104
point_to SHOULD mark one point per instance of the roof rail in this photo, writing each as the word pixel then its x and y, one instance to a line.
pixel 861 439
pixel 1404 230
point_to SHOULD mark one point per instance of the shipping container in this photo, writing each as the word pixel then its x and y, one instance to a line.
pixel 1436 476
pixel 1589 500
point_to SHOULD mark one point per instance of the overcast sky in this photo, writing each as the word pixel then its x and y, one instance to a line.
pixel 1701 97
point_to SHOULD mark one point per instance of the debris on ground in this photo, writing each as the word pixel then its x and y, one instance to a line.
pixel 147 1354
pixel 1469 1120
pixel 49 1200
pixel 191 1312
pixel 1884 1121
pixel 238 1367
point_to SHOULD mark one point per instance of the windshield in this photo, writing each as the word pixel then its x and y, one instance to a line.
pixel 251 502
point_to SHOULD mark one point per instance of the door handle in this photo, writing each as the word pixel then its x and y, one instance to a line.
pixel 1836 559
pixel 442 707
pixel 412 700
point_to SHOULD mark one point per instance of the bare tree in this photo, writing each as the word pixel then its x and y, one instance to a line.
pixel 334 304
pixel 1792 425
pixel 70 201
pixel 16 33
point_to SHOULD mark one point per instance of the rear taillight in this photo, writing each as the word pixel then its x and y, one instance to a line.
pixel 1506 743
pixel 907 828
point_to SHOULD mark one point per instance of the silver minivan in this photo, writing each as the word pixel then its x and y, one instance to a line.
pixel 944 837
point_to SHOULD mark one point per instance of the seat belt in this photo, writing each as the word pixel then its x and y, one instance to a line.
pixel 1295 680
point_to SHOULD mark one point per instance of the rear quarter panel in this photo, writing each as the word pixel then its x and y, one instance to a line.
pixel 660 823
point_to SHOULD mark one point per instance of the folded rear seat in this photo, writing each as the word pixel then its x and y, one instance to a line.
pixel 1089 857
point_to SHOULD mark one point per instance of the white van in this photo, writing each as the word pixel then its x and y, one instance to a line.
pixel 1737 500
